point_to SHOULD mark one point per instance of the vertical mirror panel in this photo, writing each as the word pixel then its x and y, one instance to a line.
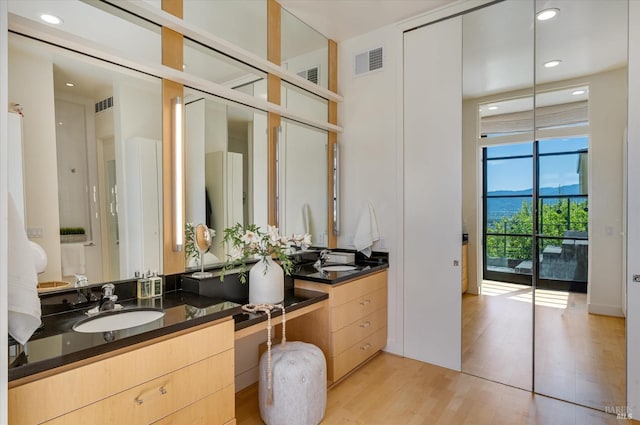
pixel 214 66
pixel 229 20
pixel 303 103
pixel 304 51
pixel 118 31
pixel 225 166
pixel 581 91
pixel 88 135
pixel 497 140
pixel 303 181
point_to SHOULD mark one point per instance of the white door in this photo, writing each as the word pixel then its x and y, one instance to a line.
pixel 433 192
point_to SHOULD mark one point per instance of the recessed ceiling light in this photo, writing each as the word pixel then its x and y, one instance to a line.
pixel 546 14
pixel 577 92
pixel 552 63
pixel 493 108
pixel 51 19
pixel 69 84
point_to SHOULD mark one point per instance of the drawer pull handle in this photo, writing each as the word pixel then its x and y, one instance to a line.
pixel 365 324
pixel 139 400
pixel 365 302
pixel 365 347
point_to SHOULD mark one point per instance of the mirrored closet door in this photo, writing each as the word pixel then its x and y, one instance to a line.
pixel 543 197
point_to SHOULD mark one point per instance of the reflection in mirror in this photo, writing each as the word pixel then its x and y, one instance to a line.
pixel 91 142
pixel 202 241
pixel 580 133
pixel 304 51
pixel 116 30
pixel 211 65
pixel 303 103
pixel 303 182
pixel 225 165
pixel 497 313
pixel 221 19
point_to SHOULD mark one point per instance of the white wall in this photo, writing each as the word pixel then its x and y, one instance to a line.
pixel 371 155
pixel 3 211
pixel 633 209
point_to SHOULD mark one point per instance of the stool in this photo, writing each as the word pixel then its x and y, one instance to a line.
pixel 299 385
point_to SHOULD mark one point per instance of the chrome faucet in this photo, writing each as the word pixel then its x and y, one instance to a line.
pixel 108 299
pixel 322 259
pixel 82 287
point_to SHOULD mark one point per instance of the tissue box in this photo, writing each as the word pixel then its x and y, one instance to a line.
pixel 341 257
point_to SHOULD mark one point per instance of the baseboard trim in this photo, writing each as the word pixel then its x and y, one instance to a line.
pixel 605 310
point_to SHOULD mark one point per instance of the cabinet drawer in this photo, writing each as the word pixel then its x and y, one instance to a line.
pixel 358 353
pixel 345 314
pixel 215 409
pixel 159 397
pixel 358 330
pixel 115 374
pixel 349 291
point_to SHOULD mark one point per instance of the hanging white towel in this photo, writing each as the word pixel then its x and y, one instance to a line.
pixel 72 258
pixel 302 226
pixel 367 230
pixel 23 304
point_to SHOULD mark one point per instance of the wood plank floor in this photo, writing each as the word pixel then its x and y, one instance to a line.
pixel 392 390
pixel 579 357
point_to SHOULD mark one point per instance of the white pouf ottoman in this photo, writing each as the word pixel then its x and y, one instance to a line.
pixel 299 385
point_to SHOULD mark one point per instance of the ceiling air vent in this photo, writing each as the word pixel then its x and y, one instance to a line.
pixel 104 104
pixel 310 74
pixel 368 61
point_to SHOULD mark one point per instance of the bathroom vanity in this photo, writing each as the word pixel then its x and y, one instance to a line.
pixel 180 368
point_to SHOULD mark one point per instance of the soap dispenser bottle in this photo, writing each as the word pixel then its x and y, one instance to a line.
pixel 144 287
pixel 156 285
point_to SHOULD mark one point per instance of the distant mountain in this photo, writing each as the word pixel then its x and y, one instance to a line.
pixel 501 207
pixel 572 189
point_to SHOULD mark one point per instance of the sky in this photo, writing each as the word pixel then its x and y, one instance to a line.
pixel 517 174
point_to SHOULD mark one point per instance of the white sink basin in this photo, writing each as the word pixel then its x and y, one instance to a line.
pixel 117 320
pixel 339 268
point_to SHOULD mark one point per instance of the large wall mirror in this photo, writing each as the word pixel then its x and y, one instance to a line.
pixel 304 51
pixel 543 198
pixel 303 181
pixel 221 19
pixel 90 134
pixel 225 165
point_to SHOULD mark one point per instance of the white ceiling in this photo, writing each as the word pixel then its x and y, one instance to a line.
pixel 341 20
pixel 588 36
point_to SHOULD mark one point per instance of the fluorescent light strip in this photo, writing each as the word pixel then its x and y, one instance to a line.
pixel 177 169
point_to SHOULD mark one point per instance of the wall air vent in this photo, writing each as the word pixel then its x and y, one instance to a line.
pixel 366 62
pixel 310 74
pixel 104 104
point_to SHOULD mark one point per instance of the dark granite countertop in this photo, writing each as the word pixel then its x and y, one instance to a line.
pixel 56 344
pixel 362 267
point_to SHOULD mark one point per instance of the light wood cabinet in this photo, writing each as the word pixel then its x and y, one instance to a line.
pixel 352 328
pixel 152 381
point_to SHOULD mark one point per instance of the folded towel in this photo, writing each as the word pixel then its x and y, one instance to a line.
pixel 367 231
pixel 23 304
pixel 72 258
pixel 302 226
